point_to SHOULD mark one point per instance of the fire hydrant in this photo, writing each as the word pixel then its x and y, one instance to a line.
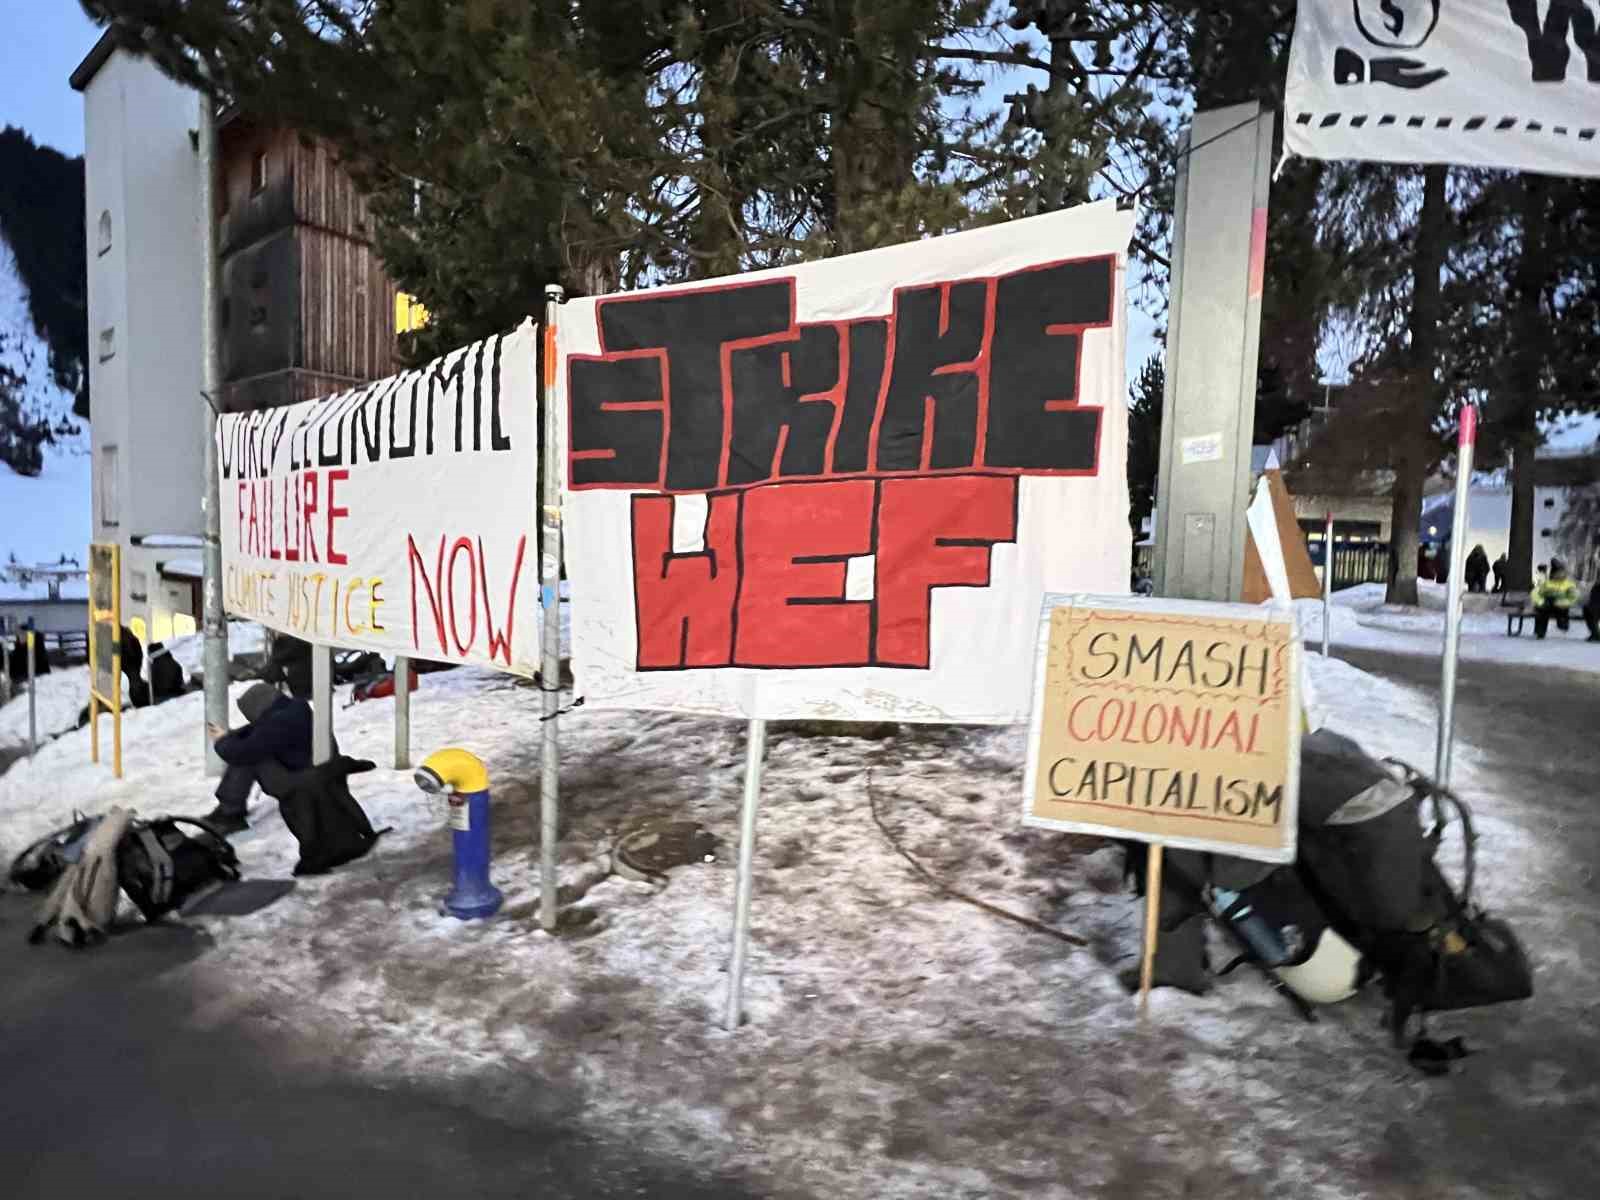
pixel 461 779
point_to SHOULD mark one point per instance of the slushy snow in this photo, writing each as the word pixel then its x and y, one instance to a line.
pixel 899 1043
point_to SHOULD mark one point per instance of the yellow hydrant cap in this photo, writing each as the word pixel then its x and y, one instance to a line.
pixel 462 770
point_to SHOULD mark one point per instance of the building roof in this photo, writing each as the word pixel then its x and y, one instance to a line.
pixel 111 40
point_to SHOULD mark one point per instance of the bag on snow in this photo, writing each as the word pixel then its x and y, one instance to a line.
pixel 38 867
pixel 161 866
pixel 331 827
pixel 376 687
pixel 83 901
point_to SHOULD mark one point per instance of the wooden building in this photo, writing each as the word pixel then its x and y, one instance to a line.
pixel 306 308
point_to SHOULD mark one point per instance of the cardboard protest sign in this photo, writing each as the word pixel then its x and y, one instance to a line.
pixel 396 517
pixel 1167 721
pixel 828 490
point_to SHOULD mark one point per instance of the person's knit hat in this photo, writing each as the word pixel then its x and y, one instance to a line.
pixel 256 700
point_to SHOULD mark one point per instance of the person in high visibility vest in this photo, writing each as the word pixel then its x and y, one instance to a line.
pixel 1553 599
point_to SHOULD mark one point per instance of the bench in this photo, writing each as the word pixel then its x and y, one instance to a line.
pixel 1516 619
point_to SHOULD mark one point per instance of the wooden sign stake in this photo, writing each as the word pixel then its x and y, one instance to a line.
pixel 1152 925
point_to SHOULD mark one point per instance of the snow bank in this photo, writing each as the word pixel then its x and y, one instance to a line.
pixel 899 1043
pixel 1360 618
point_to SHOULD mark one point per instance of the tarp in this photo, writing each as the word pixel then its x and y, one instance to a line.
pixel 1488 83
pixel 841 490
pixel 397 517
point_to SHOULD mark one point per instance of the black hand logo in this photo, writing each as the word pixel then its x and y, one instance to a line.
pixel 1406 73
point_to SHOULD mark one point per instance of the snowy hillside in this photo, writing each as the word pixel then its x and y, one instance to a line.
pixel 46 515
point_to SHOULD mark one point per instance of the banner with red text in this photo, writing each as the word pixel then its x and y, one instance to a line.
pixel 397 517
pixel 840 490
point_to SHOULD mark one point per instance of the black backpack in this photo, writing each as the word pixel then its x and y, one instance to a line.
pixel 331 827
pixel 160 866
pixel 38 867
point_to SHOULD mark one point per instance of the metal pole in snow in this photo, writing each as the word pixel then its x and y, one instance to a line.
pixel 755 751
pixel 321 704
pixel 1465 444
pixel 33 701
pixel 550 598
pixel 402 713
pixel 214 620
pixel 1327 581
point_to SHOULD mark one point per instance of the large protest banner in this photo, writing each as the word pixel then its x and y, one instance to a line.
pixel 398 516
pixel 840 490
pixel 1489 83
pixel 1169 721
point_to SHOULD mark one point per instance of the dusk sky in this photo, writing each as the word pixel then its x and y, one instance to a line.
pixel 45 40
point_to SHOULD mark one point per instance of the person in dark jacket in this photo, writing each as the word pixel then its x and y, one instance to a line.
pixel 166 676
pixel 1591 613
pixel 290 664
pixel 1500 573
pixel 17 664
pixel 132 655
pixel 270 751
pixel 1477 569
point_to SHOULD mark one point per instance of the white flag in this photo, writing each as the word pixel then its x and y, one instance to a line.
pixel 1486 83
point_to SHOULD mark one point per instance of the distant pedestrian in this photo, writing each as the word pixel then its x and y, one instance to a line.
pixel 1591 613
pixel 1477 569
pixel 1424 563
pixel 1500 573
pixel 1441 569
pixel 1554 599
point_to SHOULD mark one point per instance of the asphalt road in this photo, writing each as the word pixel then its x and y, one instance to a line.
pixel 117 1079
pixel 1521 1122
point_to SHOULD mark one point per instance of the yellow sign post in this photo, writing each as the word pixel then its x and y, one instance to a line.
pixel 105 647
pixel 1171 722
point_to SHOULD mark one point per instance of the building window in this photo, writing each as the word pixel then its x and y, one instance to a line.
pixel 105 231
pixel 107 486
pixel 258 173
pixel 108 342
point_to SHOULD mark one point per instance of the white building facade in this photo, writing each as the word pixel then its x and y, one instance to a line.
pixel 141 223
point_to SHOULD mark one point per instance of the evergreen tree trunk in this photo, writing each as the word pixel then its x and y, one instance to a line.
pixel 1412 457
pixel 1519 557
pixel 1523 386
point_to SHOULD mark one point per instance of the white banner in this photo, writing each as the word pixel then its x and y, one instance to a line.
pixel 840 490
pixel 1487 83
pixel 397 517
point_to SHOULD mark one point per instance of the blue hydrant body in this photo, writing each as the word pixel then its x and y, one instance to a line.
pixel 461 778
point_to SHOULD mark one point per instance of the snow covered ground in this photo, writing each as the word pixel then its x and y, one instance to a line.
pixel 899 1043
pixel 1361 618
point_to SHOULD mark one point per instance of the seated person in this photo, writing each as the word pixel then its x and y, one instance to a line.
pixel 1553 598
pixel 270 751
pixel 290 664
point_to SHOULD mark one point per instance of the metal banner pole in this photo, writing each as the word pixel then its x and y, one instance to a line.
pixel 754 754
pixel 550 598
pixel 1327 582
pixel 116 660
pixel 214 620
pixel 33 705
pixel 321 704
pixel 1465 444
pixel 402 713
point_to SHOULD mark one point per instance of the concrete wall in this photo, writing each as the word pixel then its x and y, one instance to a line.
pixel 142 169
